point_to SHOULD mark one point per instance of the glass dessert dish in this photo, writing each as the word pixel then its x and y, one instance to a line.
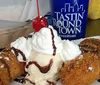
pixel 10 31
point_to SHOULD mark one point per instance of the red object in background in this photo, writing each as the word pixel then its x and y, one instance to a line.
pixel 38 11
pixel 38 22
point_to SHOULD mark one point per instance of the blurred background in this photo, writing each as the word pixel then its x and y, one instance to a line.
pixel 15 13
pixel 21 10
pixel 16 17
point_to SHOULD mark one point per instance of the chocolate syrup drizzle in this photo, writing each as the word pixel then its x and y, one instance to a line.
pixel 26 79
pixel 43 69
pixel 16 51
pixel 51 83
pixel 21 79
pixel 98 80
pixel 29 36
pixel 53 43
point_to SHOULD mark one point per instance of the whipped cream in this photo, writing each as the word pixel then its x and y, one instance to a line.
pixel 70 51
pixel 42 41
pixel 23 45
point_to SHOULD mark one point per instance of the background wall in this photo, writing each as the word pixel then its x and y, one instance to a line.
pixel 22 10
pixel 11 2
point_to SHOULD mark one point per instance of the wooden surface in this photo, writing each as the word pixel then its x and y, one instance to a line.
pixel 93 28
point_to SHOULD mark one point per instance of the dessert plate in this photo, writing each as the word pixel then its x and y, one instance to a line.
pixel 59 83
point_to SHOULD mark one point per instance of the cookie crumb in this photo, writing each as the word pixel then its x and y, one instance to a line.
pixel 81 56
pixel 2 66
pixel 91 69
pixel 6 58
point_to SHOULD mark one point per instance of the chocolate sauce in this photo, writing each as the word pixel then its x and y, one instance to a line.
pixel 43 69
pixel 5 66
pixel 58 79
pixel 17 51
pixel 51 83
pixel 26 79
pixel 21 79
pixel 53 43
pixel 98 80
pixel 29 36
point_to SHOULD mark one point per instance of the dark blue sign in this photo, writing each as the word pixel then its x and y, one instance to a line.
pixel 70 18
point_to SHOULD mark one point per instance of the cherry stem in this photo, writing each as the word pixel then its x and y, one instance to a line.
pixel 38 11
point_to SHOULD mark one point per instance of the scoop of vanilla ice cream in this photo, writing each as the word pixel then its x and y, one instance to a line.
pixel 23 45
pixel 39 78
pixel 43 44
pixel 70 51
pixel 42 41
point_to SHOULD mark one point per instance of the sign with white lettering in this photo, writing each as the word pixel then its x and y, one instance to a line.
pixel 69 18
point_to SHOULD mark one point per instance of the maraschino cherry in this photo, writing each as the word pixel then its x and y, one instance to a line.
pixel 38 22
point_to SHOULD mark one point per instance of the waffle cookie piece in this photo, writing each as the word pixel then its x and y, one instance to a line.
pixel 82 71
pixel 10 67
pixel 92 45
pixel 4 74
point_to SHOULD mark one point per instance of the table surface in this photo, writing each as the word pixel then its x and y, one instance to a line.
pixel 93 28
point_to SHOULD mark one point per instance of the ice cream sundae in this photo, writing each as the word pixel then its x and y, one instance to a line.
pixel 43 53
